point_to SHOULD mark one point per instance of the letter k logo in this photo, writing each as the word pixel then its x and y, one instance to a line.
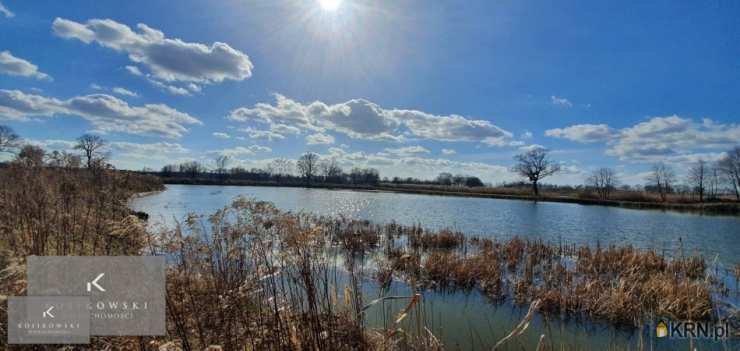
pixel 47 313
pixel 95 283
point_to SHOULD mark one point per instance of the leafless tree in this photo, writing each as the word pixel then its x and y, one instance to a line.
pixel 222 162
pixel 535 165
pixel 444 178
pixel 8 139
pixel 91 146
pixel 168 170
pixel 330 170
pixel 714 182
pixel 697 178
pixel 604 180
pixel 31 156
pixel 192 168
pixel 308 165
pixel 662 178
pixel 64 160
pixel 280 167
pixel 729 165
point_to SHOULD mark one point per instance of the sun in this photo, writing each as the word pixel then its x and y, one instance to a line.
pixel 330 5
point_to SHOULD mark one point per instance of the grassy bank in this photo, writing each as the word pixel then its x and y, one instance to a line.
pixel 631 199
pixel 251 277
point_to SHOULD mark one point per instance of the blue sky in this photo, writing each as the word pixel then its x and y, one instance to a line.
pixel 412 88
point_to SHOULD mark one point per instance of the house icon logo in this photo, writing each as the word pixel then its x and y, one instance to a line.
pixel 661 330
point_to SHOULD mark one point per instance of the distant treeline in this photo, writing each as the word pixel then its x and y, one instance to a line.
pixel 704 181
pixel 308 169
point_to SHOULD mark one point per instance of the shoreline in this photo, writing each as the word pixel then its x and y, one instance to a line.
pixel 715 208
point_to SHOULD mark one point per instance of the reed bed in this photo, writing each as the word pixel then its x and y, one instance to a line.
pixel 252 277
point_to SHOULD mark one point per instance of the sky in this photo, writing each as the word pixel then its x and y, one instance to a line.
pixel 412 88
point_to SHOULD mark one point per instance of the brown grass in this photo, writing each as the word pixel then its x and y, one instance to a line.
pixel 252 277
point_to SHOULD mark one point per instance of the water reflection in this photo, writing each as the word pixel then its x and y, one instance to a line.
pixel 552 222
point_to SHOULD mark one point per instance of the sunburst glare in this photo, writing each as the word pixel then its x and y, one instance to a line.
pixel 330 5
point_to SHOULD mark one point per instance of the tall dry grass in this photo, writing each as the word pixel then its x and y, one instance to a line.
pixel 65 211
pixel 251 277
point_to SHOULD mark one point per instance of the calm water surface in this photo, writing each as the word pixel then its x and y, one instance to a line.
pixel 469 321
pixel 549 221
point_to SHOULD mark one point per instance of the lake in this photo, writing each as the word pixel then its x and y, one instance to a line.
pixel 550 221
pixel 470 321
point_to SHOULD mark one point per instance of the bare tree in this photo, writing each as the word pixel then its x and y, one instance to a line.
pixel 31 156
pixel 168 170
pixel 535 165
pixel 729 165
pixel 714 182
pixel 662 178
pixel 697 178
pixel 330 170
pixel 63 160
pixel 280 167
pixel 222 162
pixel 444 178
pixel 91 146
pixel 8 139
pixel 192 168
pixel 604 180
pixel 308 165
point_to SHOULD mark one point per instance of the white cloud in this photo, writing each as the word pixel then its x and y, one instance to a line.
pixel 362 119
pixel 4 10
pixel 527 148
pixel 146 151
pixel 418 167
pixel 172 89
pixel 674 139
pixel 54 144
pixel 448 152
pixel 221 135
pixel 406 151
pixel 124 92
pixel 241 151
pixel 261 134
pixel 116 90
pixel 16 66
pixel 167 59
pixel 526 135
pixel 319 138
pixel 284 129
pixel 582 133
pixel 134 70
pixel 666 139
pixel 106 113
pixel 560 101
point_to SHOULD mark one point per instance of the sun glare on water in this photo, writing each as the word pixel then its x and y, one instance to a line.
pixel 330 5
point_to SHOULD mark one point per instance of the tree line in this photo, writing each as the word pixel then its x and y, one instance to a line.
pixel 706 180
pixel 90 147
pixel 309 169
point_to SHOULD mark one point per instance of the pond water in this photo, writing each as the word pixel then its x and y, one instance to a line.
pixel 469 321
